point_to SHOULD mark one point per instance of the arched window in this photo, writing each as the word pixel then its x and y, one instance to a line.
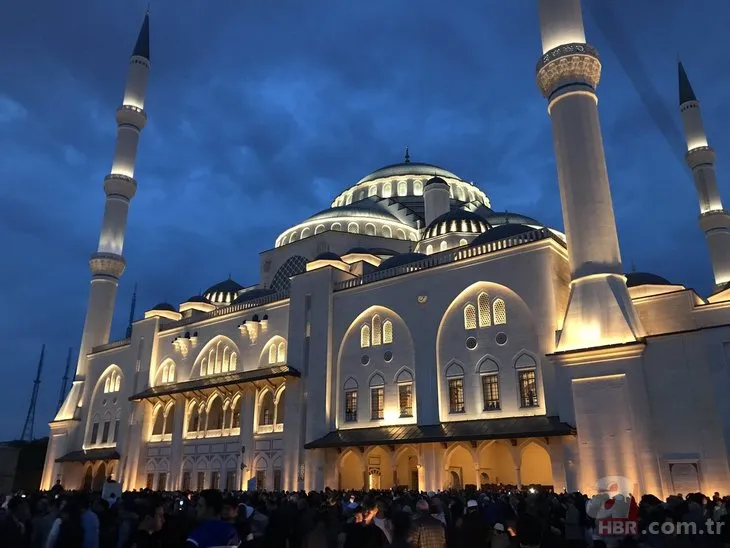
pixel 377 397
pixel 272 354
pixel 370 229
pixel 171 373
pixel 158 422
pixel 348 200
pixel 444 246
pixel 203 367
pixel 429 249
pixel 365 336
pixel 292 237
pixel 225 362
pixel 372 190
pixel 318 229
pixel 387 190
pixel 305 232
pixel 193 420
pixel 352 228
pixel 281 353
pixel 350 389
pixel 236 415
pixel 455 378
pixel 94 431
pixel 387 332
pixel 234 361
pixel 418 188
pixel 215 414
pixel 336 226
pixel 266 409
pixel 463 242
pixel 107 382
pixel 470 317
pixel 377 333
pixel 400 234
pixel 169 419
pixel 280 403
pixel 485 317
pixel 500 312
pixel 402 188
pixel 387 232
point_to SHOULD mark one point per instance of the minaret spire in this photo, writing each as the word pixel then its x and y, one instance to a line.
pixel 686 93
pixel 714 220
pixel 132 306
pixel 599 310
pixel 108 264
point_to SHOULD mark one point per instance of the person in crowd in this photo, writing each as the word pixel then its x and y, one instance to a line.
pixel 428 531
pixel 152 519
pixel 15 527
pixel 212 532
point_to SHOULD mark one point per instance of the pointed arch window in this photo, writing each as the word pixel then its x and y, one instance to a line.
pixel 485 316
pixel 266 410
pixel 281 352
pixel 365 336
pixel 470 317
pixel 418 188
pixel 107 382
pixel 158 422
pixel 402 188
pixel 377 332
pixel 279 411
pixel 387 332
pixel 377 397
pixel 169 420
pixel 193 420
pixel 387 190
pixel 272 354
pixel 215 414
pixel 350 400
pixel 234 362
pixel 500 312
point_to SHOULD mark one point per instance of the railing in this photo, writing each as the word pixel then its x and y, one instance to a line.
pixel 231 309
pixel 109 346
pixel 447 257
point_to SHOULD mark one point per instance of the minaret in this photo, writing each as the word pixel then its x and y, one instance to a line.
pixel 107 264
pixel 714 220
pixel 599 311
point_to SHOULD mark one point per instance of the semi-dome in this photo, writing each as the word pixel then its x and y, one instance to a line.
pixel 223 292
pixel 364 208
pixel 635 279
pixel 456 220
pixel 400 260
pixel 327 256
pixel 501 232
pixel 508 217
pixel 197 299
pixel 166 307
pixel 252 294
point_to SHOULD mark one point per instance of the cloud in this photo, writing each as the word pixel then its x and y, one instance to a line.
pixel 261 113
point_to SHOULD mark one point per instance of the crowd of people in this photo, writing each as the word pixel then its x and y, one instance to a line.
pixel 345 519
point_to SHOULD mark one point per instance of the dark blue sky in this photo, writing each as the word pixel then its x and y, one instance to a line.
pixel 261 112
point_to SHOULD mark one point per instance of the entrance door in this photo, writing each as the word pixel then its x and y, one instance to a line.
pixel 414 480
pixel 375 480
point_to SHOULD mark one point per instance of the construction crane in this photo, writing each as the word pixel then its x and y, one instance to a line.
pixel 27 434
pixel 64 381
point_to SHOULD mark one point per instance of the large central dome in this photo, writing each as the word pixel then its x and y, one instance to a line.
pixel 408 169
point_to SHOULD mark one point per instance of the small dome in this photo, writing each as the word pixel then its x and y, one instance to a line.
pixel 507 217
pixel 360 250
pixel 252 294
pixel 399 260
pixel 223 292
pixel 197 299
pixel 457 220
pixel 500 232
pixel 166 307
pixel 327 256
pixel 634 279
pixel 435 180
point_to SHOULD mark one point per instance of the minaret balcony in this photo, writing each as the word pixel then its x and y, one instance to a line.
pixel 107 264
pixel 117 184
pixel 698 156
pixel 568 64
pixel 131 115
pixel 714 219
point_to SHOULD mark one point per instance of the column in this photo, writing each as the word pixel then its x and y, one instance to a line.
pixel 246 437
pixel 176 458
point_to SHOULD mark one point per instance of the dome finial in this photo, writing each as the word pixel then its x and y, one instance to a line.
pixel 408 155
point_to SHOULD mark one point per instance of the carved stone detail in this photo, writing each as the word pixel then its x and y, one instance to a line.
pixel 569 63
pixel 107 264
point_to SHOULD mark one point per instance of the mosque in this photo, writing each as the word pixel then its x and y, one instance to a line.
pixel 410 335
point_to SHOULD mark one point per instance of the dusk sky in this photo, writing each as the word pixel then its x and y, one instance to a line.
pixel 261 112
